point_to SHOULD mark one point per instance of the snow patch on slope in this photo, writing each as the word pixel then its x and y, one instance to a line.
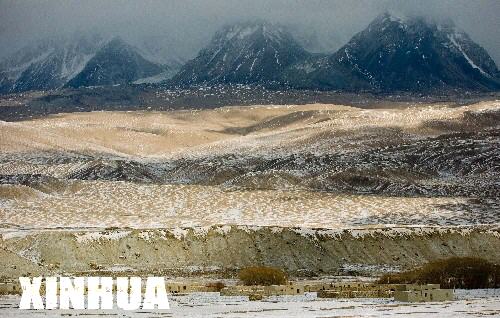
pixel 99 236
pixel 155 78
pixel 16 70
pixel 452 38
pixel 71 68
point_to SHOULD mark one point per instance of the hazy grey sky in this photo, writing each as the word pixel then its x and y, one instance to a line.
pixel 184 26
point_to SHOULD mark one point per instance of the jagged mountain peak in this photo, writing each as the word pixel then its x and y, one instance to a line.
pixel 253 34
pixel 117 62
pixel 389 21
pixel 405 20
pixel 248 30
pixel 88 59
pixel 246 52
pixel 48 63
pixel 118 43
pixel 414 53
pixel 391 16
pixel 395 53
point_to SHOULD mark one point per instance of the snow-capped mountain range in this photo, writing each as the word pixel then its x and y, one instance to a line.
pixel 392 54
pixel 47 64
pixel 115 63
pixel 81 60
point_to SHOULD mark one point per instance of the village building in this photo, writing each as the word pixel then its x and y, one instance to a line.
pixel 422 293
pixel 291 288
pixel 190 287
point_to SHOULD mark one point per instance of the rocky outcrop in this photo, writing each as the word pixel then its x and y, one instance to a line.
pixel 225 249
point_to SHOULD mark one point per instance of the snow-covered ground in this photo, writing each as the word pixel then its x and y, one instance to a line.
pixel 468 304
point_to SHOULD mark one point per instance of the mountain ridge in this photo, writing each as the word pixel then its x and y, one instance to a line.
pixel 410 53
pixel 392 53
pixel 53 62
pixel 247 52
pixel 115 63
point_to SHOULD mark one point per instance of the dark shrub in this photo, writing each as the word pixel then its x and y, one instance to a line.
pixel 218 286
pixel 262 276
pixel 455 272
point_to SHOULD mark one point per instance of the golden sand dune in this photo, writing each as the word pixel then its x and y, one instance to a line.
pixel 265 197
pixel 225 129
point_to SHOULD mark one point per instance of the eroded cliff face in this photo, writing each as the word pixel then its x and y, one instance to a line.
pixel 221 250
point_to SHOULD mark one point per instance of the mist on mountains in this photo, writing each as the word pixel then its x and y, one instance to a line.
pixel 178 29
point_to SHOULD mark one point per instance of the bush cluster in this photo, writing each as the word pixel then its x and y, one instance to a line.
pixel 264 276
pixel 218 286
pixel 455 272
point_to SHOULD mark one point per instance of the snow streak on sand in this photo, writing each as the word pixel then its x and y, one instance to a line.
pixel 124 204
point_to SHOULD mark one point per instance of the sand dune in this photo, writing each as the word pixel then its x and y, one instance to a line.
pixel 311 165
pixel 101 204
pixel 228 129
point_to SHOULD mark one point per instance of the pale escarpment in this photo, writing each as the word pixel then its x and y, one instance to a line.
pixel 224 249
